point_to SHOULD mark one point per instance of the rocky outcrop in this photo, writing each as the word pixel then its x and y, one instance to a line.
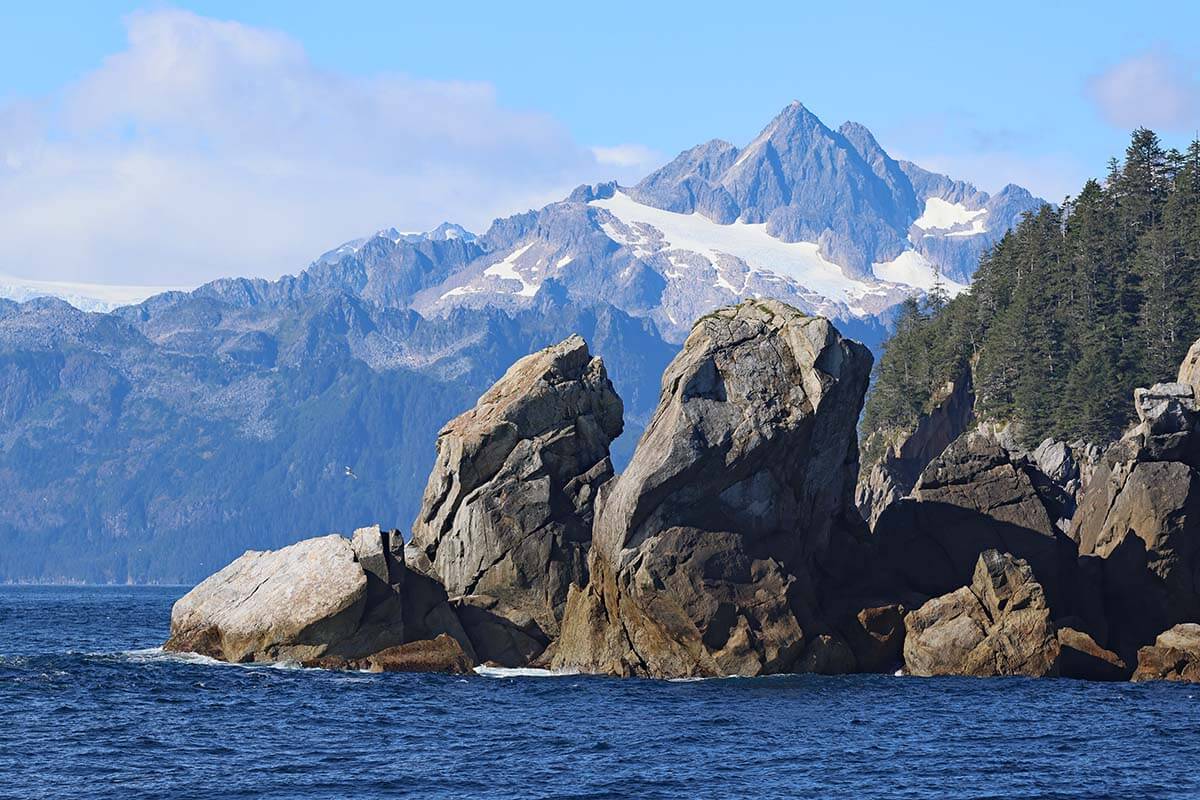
pixel 296 603
pixel 999 625
pixel 1139 520
pixel 895 473
pixel 506 518
pixel 330 600
pixel 975 496
pixel 708 550
pixel 1174 656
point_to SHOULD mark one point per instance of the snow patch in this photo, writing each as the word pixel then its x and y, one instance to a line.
pixel 507 270
pixel 913 269
pixel 800 261
pixel 941 215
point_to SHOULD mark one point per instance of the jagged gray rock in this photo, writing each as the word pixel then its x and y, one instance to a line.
pixel 895 473
pixel 1140 519
pixel 999 625
pixel 975 496
pixel 705 552
pixel 505 522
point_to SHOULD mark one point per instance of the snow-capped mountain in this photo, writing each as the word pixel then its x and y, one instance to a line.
pixel 825 220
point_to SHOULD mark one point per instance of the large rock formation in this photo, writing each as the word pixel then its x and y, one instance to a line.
pixel 1174 656
pixel 1139 520
pixel 506 518
pixel 999 625
pixel 896 472
pixel 707 553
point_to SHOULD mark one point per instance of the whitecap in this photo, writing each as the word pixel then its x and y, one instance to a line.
pixel 520 672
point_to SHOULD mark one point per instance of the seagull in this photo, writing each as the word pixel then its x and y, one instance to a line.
pixel 350 473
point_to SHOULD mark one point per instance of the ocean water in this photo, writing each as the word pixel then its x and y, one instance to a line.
pixel 91 708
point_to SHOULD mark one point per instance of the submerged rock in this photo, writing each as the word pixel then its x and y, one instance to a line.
pixel 999 625
pixel 506 519
pixel 706 553
pixel 1174 656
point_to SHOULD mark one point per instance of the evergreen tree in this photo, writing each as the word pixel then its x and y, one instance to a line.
pixel 1068 312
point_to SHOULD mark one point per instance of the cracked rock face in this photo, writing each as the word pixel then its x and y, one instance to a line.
pixel 897 472
pixel 705 549
pixel 999 625
pixel 505 521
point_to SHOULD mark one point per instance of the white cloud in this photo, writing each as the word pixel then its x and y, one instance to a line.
pixel 629 156
pixel 1155 89
pixel 210 148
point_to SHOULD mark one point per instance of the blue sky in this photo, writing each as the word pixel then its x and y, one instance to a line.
pixel 129 127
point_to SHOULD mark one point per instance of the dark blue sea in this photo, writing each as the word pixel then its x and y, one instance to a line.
pixel 92 709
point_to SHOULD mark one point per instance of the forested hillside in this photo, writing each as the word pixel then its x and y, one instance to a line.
pixel 1069 312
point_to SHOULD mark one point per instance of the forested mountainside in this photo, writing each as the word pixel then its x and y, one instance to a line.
pixel 1068 313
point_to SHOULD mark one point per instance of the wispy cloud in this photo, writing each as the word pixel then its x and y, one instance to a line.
pixel 629 156
pixel 1156 89
pixel 209 147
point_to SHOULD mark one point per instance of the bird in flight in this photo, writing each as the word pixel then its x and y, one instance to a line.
pixel 350 473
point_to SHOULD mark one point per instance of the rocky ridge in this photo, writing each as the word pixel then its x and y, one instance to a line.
pixel 731 544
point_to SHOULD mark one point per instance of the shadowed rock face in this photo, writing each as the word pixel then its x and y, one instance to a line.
pixel 897 472
pixel 706 549
pixel 974 497
pixel 1139 519
pixel 505 522
pixel 999 625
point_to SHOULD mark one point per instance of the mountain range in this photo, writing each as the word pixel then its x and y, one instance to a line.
pixel 156 441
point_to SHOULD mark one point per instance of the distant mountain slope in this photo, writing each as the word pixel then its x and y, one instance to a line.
pixel 86 296
pixel 160 440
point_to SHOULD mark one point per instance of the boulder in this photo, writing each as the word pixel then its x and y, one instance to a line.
pixel 875 635
pixel 328 601
pixel 708 549
pixel 976 496
pixel 442 654
pixel 1174 656
pixel 1189 369
pixel 999 625
pixel 507 513
pixel 294 603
